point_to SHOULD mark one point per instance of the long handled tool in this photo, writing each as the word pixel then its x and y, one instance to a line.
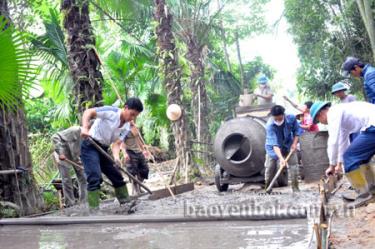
pixel 79 166
pixel 100 149
pixel 269 188
pixel 153 160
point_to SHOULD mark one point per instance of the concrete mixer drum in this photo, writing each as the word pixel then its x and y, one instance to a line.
pixel 239 150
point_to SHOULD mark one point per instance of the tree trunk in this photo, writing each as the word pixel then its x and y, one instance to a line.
pixel 172 79
pixel 240 61
pixel 84 63
pixel 199 95
pixel 365 10
pixel 19 189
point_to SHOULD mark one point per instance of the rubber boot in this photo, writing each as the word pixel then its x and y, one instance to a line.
pixel 351 194
pixel 357 179
pixel 93 198
pixel 122 194
pixel 369 172
pixel 293 169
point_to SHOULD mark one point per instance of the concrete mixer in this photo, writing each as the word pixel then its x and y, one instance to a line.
pixel 240 152
pixel 239 148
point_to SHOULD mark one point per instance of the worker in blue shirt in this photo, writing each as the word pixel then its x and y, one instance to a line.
pixel 281 139
pixel 356 68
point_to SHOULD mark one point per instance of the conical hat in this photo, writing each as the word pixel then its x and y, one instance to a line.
pixel 174 112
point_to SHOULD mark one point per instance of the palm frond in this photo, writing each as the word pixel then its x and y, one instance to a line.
pixel 50 48
pixel 133 10
pixel 16 68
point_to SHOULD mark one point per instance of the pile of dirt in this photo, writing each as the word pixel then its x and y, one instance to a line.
pixel 354 229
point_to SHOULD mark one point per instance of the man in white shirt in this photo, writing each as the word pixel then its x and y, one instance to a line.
pixel 263 93
pixel 111 124
pixel 343 120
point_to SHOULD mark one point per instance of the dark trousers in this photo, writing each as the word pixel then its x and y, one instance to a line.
pixel 137 165
pixel 360 150
pixel 95 163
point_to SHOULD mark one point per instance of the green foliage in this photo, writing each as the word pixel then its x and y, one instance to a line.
pixel 6 212
pixel 54 78
pixel 51 200
pixel 224 93
pixel 225 89
pixel 16 69
pixel 131 11
pixel 156 118
pixel 41 149
pixel 39 115
pixel 124 33
pixel 130 69
pixel 325 32
pixel 246 21
pixel 253 68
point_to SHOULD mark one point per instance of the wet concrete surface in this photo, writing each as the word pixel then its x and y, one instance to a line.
pixel 204 201
pixel 205 235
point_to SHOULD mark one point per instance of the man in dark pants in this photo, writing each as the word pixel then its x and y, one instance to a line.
pixel 134 154
pixel 111 124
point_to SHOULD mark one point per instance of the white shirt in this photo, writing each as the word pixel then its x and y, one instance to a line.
pixel 349 98
pixel 343 120
pixel 106 128
pixel 266 90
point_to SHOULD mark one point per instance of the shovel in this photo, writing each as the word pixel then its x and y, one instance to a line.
pixel 100 149
pixel 269 188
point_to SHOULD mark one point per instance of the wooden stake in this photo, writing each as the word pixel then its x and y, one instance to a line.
pixel 318 238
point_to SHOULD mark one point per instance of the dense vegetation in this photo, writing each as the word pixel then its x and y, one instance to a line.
pixel 60 57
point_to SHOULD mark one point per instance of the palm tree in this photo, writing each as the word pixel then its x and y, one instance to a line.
pixel 84 62
pixel 56 78
pixel 15 187
pixel 139 12
pixel 192 26
pixel 172 79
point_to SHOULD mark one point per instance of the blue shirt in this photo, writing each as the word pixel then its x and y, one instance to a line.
pixel 281 136
pixel 368 75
